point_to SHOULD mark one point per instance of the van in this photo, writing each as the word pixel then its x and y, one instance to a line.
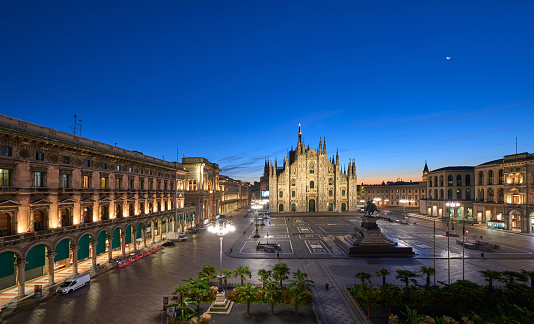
pixel 74 283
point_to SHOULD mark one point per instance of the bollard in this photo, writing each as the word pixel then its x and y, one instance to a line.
pixel 326 285
pixel 482 254
pixel 277 255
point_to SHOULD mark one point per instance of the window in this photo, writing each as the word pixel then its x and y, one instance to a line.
pixel 441 194
pixel 158 185
pixel 150 184
pixel 86 163
pixel 117 183
pixel 449 180
pixel 312 184
pixel 293 194
pixel 467 180
pixel 280 207
pixel 39 156
pixel 6 151
pixel 130 169
pixel 165 185
pixel 435 193
pixel 312 166
pixel 459 194
pixel 118 167
pixel 38 179
pixel 331 181
pixel 292 182
pixel 430 182
pixel 130 183
pixel 330 193
pixel 104 165
pixel 458 180
pixel 103 183
pixel 343 193
pixel 5 177
pixel 468 193
pixel 66 160
pixel 491 197
pixel 435 181
pixel 441 181
pixel 281 194
pixel 481 195
pixel 481 178
pixel 501 195
pixel 501 176
pixel 490 177
pixel 65 181
pixel 86 182
pixel 141 183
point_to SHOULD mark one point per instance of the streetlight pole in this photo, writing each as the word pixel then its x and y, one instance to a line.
pixel 221 228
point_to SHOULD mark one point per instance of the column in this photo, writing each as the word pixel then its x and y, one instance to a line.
pixel 110 248
pixel 123 242
pixel 143 234
pixel 50 256
pixel 21 278
pixel 160 228
pixel 134 238
pixel 93 254
pixel 74 259
pixel 153 235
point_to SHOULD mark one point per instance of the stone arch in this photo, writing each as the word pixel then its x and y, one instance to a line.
pixel 515 218
pixel 34 244
pixel 71 238
pixel 19 254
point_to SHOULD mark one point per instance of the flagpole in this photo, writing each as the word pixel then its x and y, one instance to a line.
pixel 434 252
pixel 448 253
pixel 463 252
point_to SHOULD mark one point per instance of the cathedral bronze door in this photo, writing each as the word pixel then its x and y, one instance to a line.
pixel 312 205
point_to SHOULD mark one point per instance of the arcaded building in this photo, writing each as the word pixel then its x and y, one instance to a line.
pixel 309 182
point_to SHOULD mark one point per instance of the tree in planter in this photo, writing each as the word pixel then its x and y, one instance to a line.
pixel 180 293
pixel 363 276
pixel 509 277
pixel 490 276
pixel 428 272
pixel 383 273
pixel 186 312
pixel 241 272
pixel 227 273
pixel 405 276
pixel 200 289
pixel 280 272
pixel 247 293
pixel 208 270
pixel 368 294
pixel 389 293
pixel 265 275
pixel 272 293
pixel 300 289
pixel 529 274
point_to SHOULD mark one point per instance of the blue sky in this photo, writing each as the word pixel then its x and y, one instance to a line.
pixel 231 80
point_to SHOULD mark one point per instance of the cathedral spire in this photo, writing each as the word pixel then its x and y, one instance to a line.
pixel 320 146
pixel 324 145
pixel 337 156
pixel 300 134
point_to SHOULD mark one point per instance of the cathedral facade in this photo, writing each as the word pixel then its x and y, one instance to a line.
pixel 310 182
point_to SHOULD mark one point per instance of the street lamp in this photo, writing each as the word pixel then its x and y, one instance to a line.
pixel 221 228
pixel 412 202
pixel 404 201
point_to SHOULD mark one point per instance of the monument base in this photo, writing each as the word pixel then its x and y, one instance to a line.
pixel 221 305
pixel 352 249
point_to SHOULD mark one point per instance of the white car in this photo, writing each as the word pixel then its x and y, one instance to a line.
pixel 74 283
pixel 182 237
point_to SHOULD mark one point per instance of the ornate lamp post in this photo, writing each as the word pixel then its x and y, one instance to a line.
pixel 221 305
pixel 221 228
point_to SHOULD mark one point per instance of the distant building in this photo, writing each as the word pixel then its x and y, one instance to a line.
pixel 395 193
pixel 308 181
pixel 234 194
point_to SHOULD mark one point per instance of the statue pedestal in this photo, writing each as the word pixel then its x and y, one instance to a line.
pixel 221 305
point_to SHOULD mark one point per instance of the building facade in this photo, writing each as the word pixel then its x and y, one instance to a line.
pixel 202 188
pixel 65 198
pixel 308 182
pixel 234 194
pixel 395 193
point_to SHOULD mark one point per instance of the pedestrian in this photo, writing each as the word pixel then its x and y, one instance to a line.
pixel 278 255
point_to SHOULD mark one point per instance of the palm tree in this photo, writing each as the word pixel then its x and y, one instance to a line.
pixel 200 288
pixel 368 294
pixel 272 293
pixel 186 312
pixel 363 276
pixel 430 271
pixel 300 289
pixel 383 273
pixel 265 275
pixel 242 272
pixel 181 290
pixel 509 277
pixel 208 270
pixel 405 276
pixel 247 292
pixel 529 274
pixel 490 275
pixel 389 293
pixel 226 273
pixel 280 272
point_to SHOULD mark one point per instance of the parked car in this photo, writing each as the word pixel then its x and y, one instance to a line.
pixel 74 283
pixel 193 231
pixel 182 237
pixel 97 267
pixel 169 243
